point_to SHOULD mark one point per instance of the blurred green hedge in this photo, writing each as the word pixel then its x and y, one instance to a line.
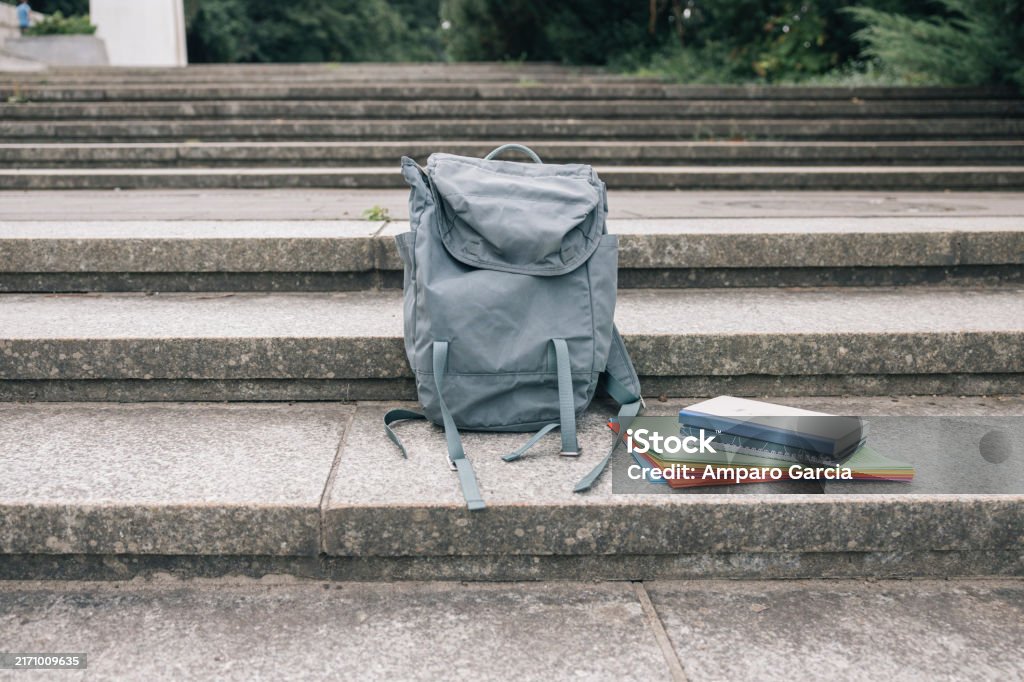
pixel 944 41
pixel 312 30
pixel 58 24
pixel 947 42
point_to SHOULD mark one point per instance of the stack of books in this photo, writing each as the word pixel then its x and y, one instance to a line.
pixel 756 442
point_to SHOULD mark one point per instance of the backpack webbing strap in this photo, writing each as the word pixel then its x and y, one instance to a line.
pixel 626 413
pixel 566 409
pixel 392 416
pixel 456 455
pixel 566 406
pixel 630 404
pixel 521 450
pixel 620 381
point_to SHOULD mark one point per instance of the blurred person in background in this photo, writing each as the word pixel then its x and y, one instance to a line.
pixel 24 20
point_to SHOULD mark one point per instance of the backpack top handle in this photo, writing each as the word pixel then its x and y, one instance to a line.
pixel 518 147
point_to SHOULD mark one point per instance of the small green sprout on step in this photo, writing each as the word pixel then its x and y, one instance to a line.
pixel 17 97
pixel 377 213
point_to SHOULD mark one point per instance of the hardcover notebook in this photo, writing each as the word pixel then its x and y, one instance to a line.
pixel 773 433
pixel 762 429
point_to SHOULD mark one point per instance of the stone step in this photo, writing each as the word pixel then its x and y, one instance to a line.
pixel 609 152
pixel 351 204
pixel 499 109
pixel 523 87
pixel 235 129
pixel 906 178
pixel 237 629
pixel 316 346
pixel 316 490
pixel 351 73
pixel 335 255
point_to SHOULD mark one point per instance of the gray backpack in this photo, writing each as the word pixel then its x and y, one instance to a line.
pixel 510 280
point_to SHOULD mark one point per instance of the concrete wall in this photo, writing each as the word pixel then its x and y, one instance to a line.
pixel 70 50
pixel 141 32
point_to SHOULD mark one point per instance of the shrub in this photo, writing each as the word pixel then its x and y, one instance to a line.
pixel 58 24
pixel 570 31
pixel 711 63
pixel 312 30
pixel 975 42
pixel 691 40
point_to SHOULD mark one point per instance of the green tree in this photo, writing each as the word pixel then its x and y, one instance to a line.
pixel 973 42
pixel 312 30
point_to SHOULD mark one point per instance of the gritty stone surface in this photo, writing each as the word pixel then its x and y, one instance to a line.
pixel 949 455
pixel 260 630
pixel 231 129
pixel 376 152
pixel 357 335
pixel 845 630
pixel 694 278
pixel 230 282
pixel 414 506
pixel 202 489
pixel 477 109
pixel 269 629
pixel 302 246
pixel 506 567
pixel 798 243
pixel 338 204
pixel 190 390
pixel 193 246
pixel 955 384
pixel 329 255
pixel 956 177
pixel 443 81
pixel 165 479
pixel 173 390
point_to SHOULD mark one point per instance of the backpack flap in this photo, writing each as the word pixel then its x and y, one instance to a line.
pixel 531 219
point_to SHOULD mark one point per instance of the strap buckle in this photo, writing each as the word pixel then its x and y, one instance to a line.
pixel 572 453
pixel 451 463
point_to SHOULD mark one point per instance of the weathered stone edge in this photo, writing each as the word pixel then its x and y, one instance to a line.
pixel 777 565
pixel 455 90
pixel 678 525
pixel 991 178
pixel 145 528
pixel 673 355
pixel 636 252
pixel 683 525
pixel 176 390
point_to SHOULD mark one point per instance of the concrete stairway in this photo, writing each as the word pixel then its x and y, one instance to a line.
pixel 314 490
pixel 121 313
pixel 716 302
pixel 344 127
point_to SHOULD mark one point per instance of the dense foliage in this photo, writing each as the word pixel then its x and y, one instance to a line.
pixel 694 39
pixel 312 30
pixel 973 42
pixel 58 24
pixel 898 41
pixel 934 41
